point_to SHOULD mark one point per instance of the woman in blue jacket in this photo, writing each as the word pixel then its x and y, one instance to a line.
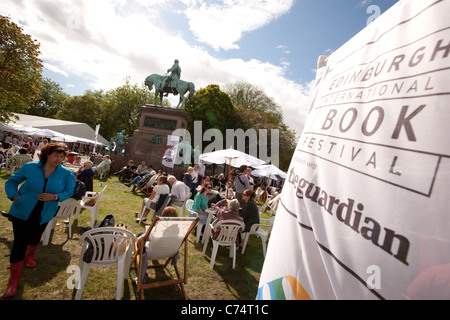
pixel 35 202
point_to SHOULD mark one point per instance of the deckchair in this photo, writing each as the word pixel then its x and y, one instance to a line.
pixel 143 186
pixel 162 240
pixel 163 202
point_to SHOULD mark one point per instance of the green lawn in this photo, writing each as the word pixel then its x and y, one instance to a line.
pixel 48 281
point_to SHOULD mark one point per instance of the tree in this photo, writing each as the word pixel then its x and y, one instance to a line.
pixel 85 108
pixel 254 110
pixel 50 100
pixel 20 69
pixel 120 109
pixel 247 95
pixel 211 106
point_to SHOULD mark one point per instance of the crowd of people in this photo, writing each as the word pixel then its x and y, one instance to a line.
pixel 231 197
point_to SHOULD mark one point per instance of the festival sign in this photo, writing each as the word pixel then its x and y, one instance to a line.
pixel 364 212
pixel 170 153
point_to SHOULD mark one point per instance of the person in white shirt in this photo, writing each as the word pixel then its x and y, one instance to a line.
pixel 150 203
pixel 179 190
pixel 201 171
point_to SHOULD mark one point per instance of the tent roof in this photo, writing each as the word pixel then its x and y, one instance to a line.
pixel 77 129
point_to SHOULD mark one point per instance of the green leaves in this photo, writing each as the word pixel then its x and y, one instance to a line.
pixel 20 69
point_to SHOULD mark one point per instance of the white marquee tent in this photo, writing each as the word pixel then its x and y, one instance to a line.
pixel 83 132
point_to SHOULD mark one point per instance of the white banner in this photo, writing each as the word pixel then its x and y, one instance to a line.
pixel 171 151
pixel 97 128
pixel 365 206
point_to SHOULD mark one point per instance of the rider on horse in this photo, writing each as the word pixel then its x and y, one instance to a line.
pixel 175 75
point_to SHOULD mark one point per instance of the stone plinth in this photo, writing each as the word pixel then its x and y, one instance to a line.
pixel 149 141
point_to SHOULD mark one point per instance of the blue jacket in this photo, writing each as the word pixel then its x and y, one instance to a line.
pixel 60 182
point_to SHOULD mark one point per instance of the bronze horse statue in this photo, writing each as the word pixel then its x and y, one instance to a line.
pixel 180 87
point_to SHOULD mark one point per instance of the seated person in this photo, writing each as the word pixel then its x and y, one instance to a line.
pixel 141 170
pixel 228 213
pixel 77 161
pixel 86 175
pixel 229 193
pixel 214 197
pixel 179 190
pixel 250 212
pixel 201 203
pixel 127 171
pixel 104 166
pixel 21 154
pixel 138 180
pixel 97 159
pixel 150 203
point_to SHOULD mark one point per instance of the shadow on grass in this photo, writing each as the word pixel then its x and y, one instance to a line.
pixel 158 274
pixel 240 282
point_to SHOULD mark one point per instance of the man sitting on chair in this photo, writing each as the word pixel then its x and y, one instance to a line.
pixel 179 189
pixel 150 203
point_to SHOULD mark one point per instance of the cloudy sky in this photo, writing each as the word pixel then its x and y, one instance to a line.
pixel 272 44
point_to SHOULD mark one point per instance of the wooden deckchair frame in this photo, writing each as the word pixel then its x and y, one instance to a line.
pixel 138 260
pixel 143 187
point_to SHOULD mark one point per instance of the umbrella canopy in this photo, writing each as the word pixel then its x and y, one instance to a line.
pixel 268 170
pixel 232 157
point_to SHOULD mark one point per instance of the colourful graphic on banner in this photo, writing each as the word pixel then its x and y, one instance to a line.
pixel 277 291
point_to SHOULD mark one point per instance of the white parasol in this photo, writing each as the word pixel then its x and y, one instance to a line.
pixel 232 157
pixel 268 170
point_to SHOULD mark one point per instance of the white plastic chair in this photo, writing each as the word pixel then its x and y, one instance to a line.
pixel 189 204
pixel 110 246
pixel 207 230
pixel 152 213
pixel 193 213
pixel 182 208
pixel 65 211
pixel 93 209
pixel 262 231
pixel 229 230
pixel 16 162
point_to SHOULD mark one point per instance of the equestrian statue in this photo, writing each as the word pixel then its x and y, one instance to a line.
pixel 171 83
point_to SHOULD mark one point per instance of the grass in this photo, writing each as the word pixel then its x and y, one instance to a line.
pixel 48 281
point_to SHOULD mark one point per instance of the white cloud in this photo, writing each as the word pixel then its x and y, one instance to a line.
pixel 104 42
pixel 221 25
pixel 55 69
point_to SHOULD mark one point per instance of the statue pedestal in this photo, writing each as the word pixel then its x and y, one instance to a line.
pixel 149 141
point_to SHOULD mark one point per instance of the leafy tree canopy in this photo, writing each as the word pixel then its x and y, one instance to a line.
pixel 20 69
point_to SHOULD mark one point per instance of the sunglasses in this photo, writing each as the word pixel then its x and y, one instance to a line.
pixel 209 187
